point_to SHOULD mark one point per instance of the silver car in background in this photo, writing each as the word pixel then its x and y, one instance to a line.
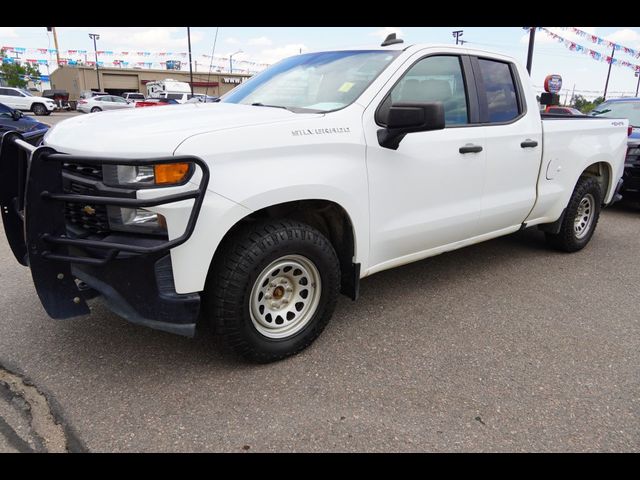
pixel 103 102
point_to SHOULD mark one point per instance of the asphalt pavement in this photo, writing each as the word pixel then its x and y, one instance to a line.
pixel 501 346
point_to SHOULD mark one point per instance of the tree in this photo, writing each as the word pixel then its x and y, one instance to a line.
pixel 17 75
pixel 580 102
pixel 584 105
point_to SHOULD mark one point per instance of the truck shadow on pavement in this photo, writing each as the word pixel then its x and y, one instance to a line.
pixel 418 284
pixel 404 293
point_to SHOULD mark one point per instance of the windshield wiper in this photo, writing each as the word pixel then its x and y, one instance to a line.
pixel 258 104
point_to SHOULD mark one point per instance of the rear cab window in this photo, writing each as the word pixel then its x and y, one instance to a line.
pixel 501 93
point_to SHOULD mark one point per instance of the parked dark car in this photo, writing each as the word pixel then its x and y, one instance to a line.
pixel 11 119
pixel 61 97
pixel 628 108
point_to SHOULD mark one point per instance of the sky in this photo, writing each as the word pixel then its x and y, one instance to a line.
pixel 270 44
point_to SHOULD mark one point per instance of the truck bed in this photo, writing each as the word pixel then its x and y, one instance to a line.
pixel 575 143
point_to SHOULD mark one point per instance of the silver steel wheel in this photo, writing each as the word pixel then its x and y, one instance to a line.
pixel 285 296
pixel 584 218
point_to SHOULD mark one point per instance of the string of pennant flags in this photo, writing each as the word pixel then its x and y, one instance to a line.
pixel 574 47
pixel 122 59
pixel 601 41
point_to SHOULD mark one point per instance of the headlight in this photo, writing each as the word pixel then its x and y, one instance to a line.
pixel 136 220
pixel 147 176
pixel 140 220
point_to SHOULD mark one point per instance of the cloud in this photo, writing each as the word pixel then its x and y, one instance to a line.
pixel 8 32
pixel 384 32
pixel 260 41
pixel 141 38
pixel 273 55
pixel 626 37
pixel 232 41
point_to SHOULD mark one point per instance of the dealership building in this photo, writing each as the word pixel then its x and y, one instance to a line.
pixel 116 81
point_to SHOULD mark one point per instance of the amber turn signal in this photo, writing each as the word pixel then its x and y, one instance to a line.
pixel 171 173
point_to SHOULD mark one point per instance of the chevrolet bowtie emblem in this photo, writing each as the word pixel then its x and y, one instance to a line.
pixel 89 210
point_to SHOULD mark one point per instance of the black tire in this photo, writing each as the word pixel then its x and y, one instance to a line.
pixel 39 109
pixel 96 109
pixel 568 239
pixel 244 257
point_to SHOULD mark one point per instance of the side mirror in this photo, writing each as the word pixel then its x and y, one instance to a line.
pixel 17 115
pixel 406 118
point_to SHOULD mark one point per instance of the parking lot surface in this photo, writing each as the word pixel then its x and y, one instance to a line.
pixel 55 117
pixel 502 346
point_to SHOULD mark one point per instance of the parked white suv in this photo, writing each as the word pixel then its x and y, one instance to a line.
pixel 132 97
pixel 23 100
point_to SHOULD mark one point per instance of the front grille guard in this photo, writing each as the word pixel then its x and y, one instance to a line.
pixel 32 202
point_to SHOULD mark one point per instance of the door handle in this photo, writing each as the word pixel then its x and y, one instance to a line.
pixel 528 143
pixel 470 148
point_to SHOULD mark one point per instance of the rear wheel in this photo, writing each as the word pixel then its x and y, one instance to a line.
pixel 96 109
pixel 39 109
pixel 273 289
pixel 581 217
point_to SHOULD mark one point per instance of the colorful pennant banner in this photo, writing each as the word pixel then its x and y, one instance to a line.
pixel 601 41
pixel 574 47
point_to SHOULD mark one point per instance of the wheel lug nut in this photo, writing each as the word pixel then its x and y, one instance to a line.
pixel 285 301
pixel 272 284
pixel 289 289
pixel 268 296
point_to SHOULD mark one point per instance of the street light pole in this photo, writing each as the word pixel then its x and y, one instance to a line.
pixel 606 85
pixel 638 85
pixel 532 38
pixel 95 37
pixel 190 62
pixel 231 60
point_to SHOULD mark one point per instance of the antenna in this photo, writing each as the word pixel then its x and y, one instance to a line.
pixel 391 40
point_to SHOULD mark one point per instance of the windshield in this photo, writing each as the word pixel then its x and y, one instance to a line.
pixel 628 110
pixel 136 95
pixel 318 82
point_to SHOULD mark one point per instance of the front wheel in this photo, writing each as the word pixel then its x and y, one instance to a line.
pixel 96 109
pixel 39 109
pixel 273 289
pixel 580 218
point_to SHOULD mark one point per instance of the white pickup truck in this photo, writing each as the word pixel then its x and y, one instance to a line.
pixel 254 213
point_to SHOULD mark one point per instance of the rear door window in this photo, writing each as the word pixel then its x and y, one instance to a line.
pixel 500 89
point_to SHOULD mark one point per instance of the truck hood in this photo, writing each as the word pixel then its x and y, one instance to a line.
pixel 157 130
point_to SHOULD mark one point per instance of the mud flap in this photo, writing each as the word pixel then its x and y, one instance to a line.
pixel 53 280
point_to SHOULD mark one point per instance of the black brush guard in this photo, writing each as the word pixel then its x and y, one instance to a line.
pixel 32 201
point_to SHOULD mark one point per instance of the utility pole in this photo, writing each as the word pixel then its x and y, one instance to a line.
pixel 190 62
pixel 231 60
pixel 95 37
pixel 573 91
pixel 55 42
pixel 457 34
pixel 532 39
pixel 638 85
pixel 606 85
